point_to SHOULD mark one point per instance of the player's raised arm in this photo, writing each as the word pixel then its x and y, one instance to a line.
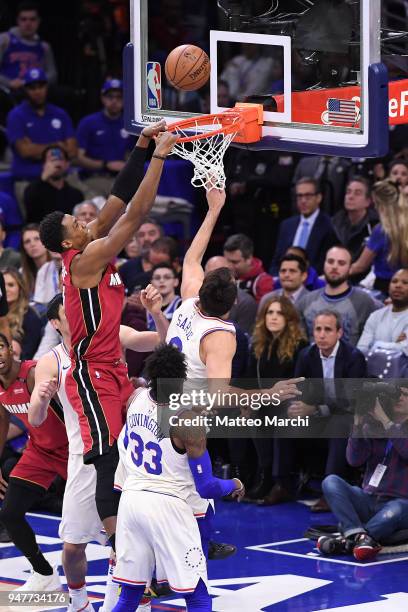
pixel 45 387
pixel 193 273
pixel 126 183
pixel 100 252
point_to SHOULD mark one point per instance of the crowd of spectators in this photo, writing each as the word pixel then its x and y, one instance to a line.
pixel 318 247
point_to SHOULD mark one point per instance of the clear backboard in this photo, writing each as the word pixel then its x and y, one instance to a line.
pixel 314 65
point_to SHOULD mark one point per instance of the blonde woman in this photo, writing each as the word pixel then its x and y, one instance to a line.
pixel 33 255
pixel 387 247
pixel 23 320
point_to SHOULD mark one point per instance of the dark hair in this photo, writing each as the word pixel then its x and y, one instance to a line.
pixel 300 261
pixel 27 263
pixel 5 339
pixel 166 245
pixel 309 180
pixel 361 179
pixel 302 253
pixel 218 292
pixel 27 6
pixel 54 306
pixel 166 369
pixel 51 148
pixel 52 231
pixel 397 162
pixel 240 242
pixel 152 221
pixel 329 313
pixel 163 265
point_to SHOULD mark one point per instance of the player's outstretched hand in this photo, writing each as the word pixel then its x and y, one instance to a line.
pixel 151 299
pixel 287 389
pixel 47 389
pixel 216 199
pixel 3 486
pixel 165 143
pixel 150 131
pixel 239 492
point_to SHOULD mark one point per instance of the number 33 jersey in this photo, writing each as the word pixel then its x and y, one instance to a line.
pixel 148 458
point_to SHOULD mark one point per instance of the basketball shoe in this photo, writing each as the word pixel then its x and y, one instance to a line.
pixel 38 582
pixel 365 547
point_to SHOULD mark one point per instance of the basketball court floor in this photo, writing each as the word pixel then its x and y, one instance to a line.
pixel 274 570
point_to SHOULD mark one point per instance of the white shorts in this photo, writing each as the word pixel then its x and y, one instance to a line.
pixel 158 531
pixel 80 521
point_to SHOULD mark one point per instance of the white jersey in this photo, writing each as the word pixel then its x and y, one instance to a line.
pixel 75 443
pixel 186 330
pixel 149 461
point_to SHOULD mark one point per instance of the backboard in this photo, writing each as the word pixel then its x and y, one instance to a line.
pixel 315 65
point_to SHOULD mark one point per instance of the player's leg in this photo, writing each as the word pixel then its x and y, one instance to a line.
pixel 75 564
pixel 129 598
pixel 200 600
pixel 20 497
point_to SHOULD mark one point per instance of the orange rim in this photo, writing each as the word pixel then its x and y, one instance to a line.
pixel 228 125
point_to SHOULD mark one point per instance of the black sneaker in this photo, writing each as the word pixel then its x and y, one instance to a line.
pixel 329 545
pixel 158 590
pixel 365 547
pixel 217 551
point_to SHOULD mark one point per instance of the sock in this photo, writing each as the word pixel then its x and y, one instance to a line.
pixel 112 589
pixel 40 564
pixel 78 596
pixel 129 598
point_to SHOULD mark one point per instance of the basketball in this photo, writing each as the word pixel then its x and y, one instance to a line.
pixel 187 67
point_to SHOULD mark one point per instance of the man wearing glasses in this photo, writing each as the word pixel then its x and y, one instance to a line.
pixel 311 229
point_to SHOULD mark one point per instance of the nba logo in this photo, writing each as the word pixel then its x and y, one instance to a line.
pixel 153 82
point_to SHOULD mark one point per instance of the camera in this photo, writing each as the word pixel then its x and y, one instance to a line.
pixel 366 396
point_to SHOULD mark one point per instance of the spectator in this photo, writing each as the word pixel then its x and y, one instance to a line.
pixel 277 340
pixel 248 270
pixel 388 327
pixel 33 126
pixel 248 73
pixel 23 320
pixel 51 191
pixel 136 271
pixel 313 281
pixel 165 249
pixel 12 219
pixel 330 358
pixel 165 280
pixel 355 223
pixel 369 515
pixel 243 312
pixel 387 247
pixel 9 258
pixel 103 142
pixel 353 305
pixel 22 49
pixel 47 283
pixel 86 211
pixel 292 276
pixel 33 255
pixel 398 172
pixel 312 229
pixel 331 173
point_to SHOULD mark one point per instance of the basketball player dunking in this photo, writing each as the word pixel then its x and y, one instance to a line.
pixel 93 299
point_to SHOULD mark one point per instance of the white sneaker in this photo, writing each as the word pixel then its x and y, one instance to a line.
pixel 146 607
pixel 38 582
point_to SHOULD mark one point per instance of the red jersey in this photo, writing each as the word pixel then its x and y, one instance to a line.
pixel 51 434
pixel 94 314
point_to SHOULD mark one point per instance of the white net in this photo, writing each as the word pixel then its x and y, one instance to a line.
pixel 206 153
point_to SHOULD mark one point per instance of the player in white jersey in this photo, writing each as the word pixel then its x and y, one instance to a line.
pixel 80 520
pixel 157 529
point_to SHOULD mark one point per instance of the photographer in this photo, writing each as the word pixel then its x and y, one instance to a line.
pixel 370 515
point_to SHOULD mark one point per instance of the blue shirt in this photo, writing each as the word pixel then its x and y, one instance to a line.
pixel 104 138
pixel 20 57
pixel 23 121
pixel 11 215
pixel 380 244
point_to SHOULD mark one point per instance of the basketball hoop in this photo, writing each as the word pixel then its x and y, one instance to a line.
pixel 203 141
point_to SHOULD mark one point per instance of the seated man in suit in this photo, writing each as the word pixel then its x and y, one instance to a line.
pixel 312 229
pixel 292 276
pixel 330 358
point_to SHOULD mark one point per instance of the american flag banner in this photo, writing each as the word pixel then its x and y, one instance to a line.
pixel 341 111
